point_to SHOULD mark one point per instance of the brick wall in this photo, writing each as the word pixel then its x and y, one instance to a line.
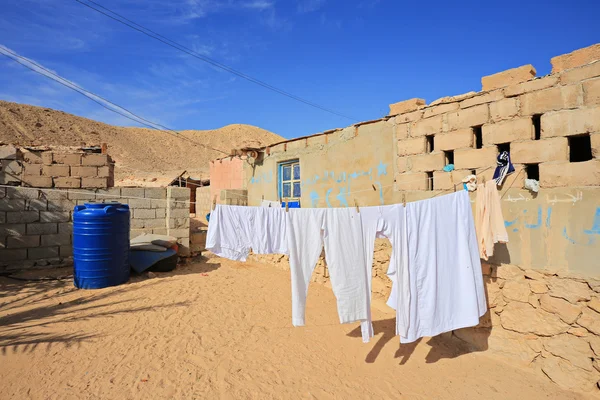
pixel 71 168
pixel 227 173
pixel 36 224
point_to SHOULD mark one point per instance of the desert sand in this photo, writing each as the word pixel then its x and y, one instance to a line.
pixel 136 151
pixel 217 329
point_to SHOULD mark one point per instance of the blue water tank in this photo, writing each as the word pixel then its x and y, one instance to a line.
pixel 100 245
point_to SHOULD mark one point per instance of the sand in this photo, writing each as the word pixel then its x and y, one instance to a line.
pixel 136 151
pixel 216 329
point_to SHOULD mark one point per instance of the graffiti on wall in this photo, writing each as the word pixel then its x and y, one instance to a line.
pixel 263 177
pixel 337 186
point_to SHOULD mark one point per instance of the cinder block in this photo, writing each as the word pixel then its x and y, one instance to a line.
pixel 84 172
pixel 408 117
pixel 56 170
pixel 104 172
pixel 469 117
pixel 133 192
pixel 503 109
pixel 155 223
pixel 412 146
pixel 179 233
pixel 443 180
pixel 402 164
pixel 100 183
pixel 8 255
pixel 412 181
pixel 591 92
pixel 2 192
pixel 110 194
pixel 13 230
pixel 508 77
pixel 8 204
pixel 82 195
pixel 139 203
pixel 595 141
pixel 427 162
pixel 555 98
pixel 96 160
pixel 559 174
pixel 578 74
pixel 65 227
pixel 36 205
pixel 475 158
pixel 571 122
pixel 32 169
pixel 539 151
pixel 55 216
pixel 441 109
pixel 178 223
pixel 71 182
pixel 160 231
pixel 22 242
pixel 42 229
pixel 41 253
pixel 8 152
pixel 454 140
pixel 406 106
pixel 576 58
pixel 155 193
pixel 69 159
pixel 61 205
pixel 429 126
pixel 2 218
pixel 508 131
pixel 32 157
pixel 179 213
pixel 161 213
pixel 531 86
pixel 66 251
pixel 22 217
pixel 158 203
pixel 47 157
pixel 137 223
pixel 174 192
pixel 494 95
pixel 59 239
pixel 144 214
pixel 37 181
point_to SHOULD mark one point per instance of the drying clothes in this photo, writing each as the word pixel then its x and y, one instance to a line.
pixel 533 185
pixel 230 231
pixel 270 234
pixel 382 222
pixel 470 183
pixel 504 167
pixel 340 232
pixel 489 220
pixel 270 203
pixel 440 260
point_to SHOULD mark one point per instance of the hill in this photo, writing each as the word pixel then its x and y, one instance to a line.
pixel 137 152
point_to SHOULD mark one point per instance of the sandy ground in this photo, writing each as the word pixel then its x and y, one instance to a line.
pixel 216 329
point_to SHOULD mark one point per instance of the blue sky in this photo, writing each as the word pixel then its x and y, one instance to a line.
pixel 355 57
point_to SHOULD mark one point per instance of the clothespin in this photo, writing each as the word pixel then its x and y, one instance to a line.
pixel 356 204
pixel 483 179
pixel 214 205
pixel 374 188
pixel 404 199
pixel 287 206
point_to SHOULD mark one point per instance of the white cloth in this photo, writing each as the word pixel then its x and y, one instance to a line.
pixel 269 235
pixel 230 231
pixel 442 263
pixel 270 204
pixel 340 232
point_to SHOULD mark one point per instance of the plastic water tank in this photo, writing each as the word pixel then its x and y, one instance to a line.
pixel 101 245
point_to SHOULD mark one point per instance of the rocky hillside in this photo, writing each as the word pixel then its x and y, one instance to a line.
pixel 137 152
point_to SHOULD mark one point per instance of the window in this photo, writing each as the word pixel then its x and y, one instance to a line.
pixel 430 143
pixel 289 180
pixel 478 133
pixel 580 148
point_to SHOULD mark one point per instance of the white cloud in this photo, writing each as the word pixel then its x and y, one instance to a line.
pixel 258 4
pixel 306 6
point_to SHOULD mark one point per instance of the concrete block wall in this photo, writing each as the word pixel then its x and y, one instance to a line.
pixel 60 168
pixel 546 123
pixel 203 201
pixel 36 223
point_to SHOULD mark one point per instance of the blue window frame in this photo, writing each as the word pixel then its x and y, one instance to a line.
pixel 288 181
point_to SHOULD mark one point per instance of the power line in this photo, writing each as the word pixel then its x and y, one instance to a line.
pixel 150 33
pixel 91 95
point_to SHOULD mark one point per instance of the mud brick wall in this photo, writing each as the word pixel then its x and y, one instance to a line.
pixel 36 224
